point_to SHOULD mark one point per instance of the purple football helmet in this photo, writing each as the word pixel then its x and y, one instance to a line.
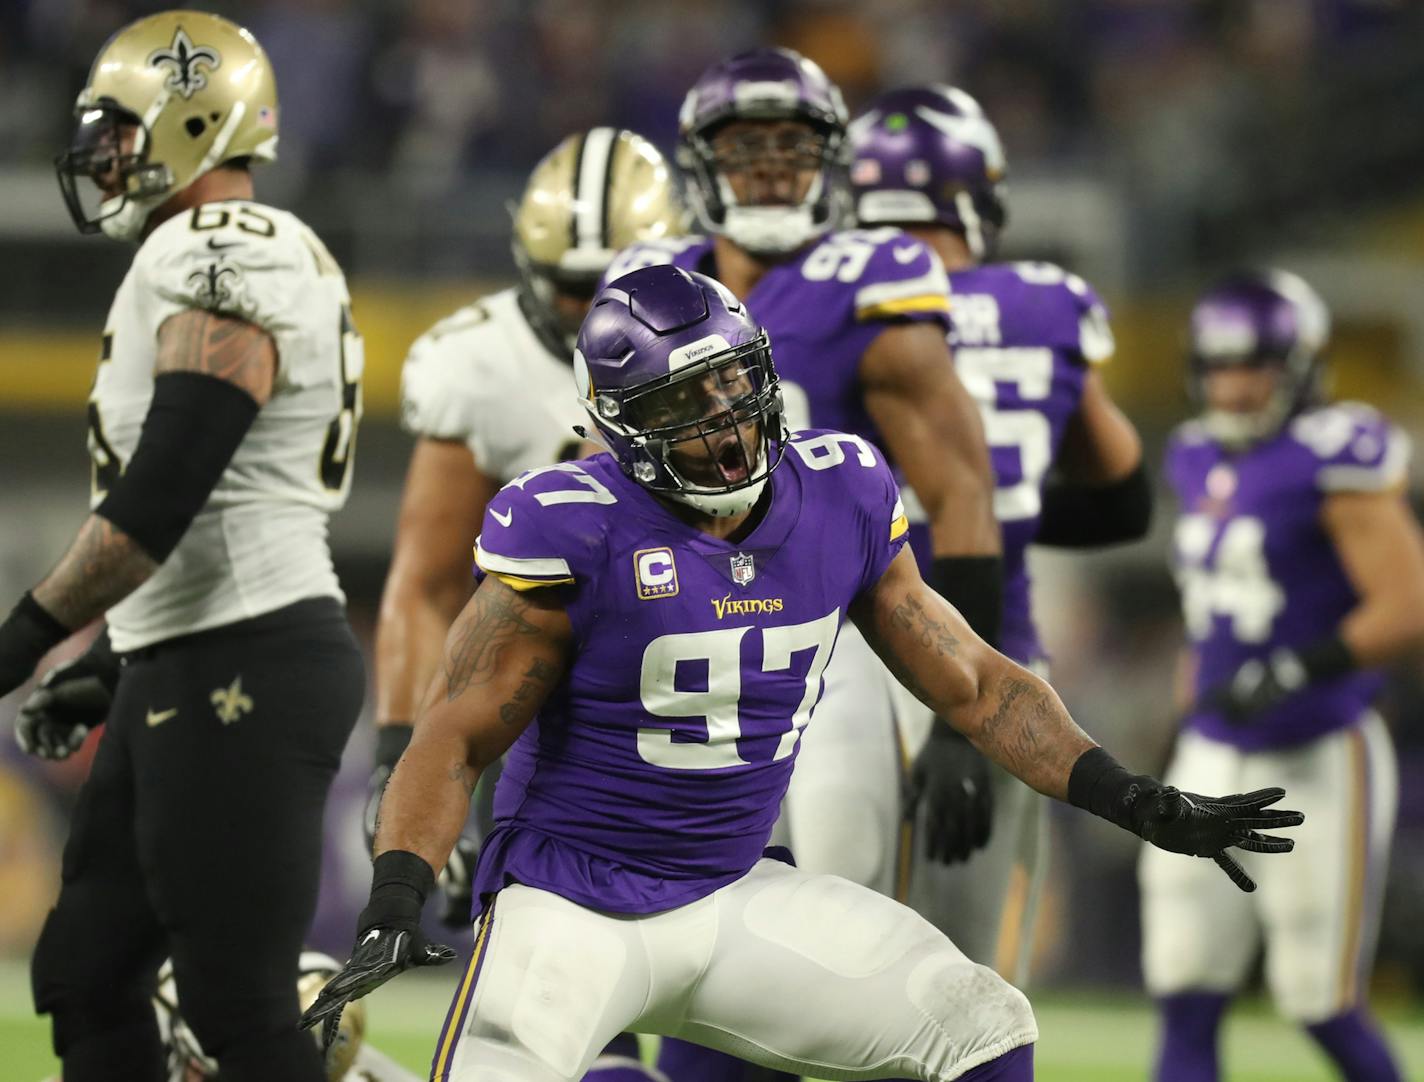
pixel 765 84
pixel 928 154
pixel 1268 318
pixel 679 381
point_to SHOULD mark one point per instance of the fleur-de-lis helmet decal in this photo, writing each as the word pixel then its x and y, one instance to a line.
pixel 185 62
pixel 183 92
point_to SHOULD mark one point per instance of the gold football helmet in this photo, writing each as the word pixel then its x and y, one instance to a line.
pixel 593 195
pixel 170 97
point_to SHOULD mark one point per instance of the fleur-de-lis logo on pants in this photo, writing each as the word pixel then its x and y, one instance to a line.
pixel 184 61
pixel 230 702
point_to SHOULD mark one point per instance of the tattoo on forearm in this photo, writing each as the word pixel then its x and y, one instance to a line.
pixel 539 677
pixel 231 349
pixel 102 567
pixel 1030 734
pixel 932 633
pixel 493 621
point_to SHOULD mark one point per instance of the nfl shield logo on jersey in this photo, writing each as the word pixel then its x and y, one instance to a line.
pixel 743 568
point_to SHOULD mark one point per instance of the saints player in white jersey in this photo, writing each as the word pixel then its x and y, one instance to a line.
pixel 489 393
pixel 221 426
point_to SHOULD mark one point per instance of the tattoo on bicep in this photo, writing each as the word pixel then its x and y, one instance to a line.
pixel 102 567
pixel 538 679
pixel 460 773
pixel 231 349
pixel 929 631
pixel 493 620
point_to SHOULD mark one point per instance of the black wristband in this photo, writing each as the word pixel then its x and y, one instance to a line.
pixel 1326 658
pixel 1100 784
pixel 975 586
pixel 1088 516
pixel 32 629
pixel 391 741
pixel 194 426
pixel 399 872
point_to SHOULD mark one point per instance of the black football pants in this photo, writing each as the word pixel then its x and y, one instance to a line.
pixel 198 836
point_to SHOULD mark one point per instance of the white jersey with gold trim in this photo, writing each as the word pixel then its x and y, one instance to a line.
pixel 483 377
pixel 260 542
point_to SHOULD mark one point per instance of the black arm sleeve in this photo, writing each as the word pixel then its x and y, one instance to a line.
pixel 193 428
pixel 975 586
pixel 1084 516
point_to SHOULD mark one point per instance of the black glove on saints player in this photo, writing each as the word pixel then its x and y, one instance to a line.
pixel 388 939
pixel 1200 826
pixel 952 779
pixel 72 699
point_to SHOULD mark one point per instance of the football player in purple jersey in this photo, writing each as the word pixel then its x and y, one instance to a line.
pixel 859 318
pixel 1301 569
pixel 647 645
pixel 1028 339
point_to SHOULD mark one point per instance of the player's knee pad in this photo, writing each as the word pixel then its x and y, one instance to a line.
pixel 975 1011
pixel 1307 989
pixel 286 1055
pixel 78 1002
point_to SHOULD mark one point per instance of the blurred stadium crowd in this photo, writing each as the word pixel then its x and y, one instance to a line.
pixel 1150 143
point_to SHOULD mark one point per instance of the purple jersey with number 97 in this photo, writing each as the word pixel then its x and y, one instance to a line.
pixel 1256 569
pixel 1024 335
pixel 655 770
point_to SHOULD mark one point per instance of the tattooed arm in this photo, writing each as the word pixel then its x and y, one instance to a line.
pixel 505 652
pixel 1009 714
pixel 189 436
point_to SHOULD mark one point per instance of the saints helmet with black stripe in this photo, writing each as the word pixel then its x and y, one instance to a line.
pixel 593 195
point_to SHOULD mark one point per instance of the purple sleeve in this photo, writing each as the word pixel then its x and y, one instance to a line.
pixel 1353 448
pixel 852 501
pixel 544 528
pixel 902 280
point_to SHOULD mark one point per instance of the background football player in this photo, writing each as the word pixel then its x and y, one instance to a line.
pixel 1301 569
pixel 489 393
pixel 1027 338
pixel 624 885
pixel 221 426
pixel 859 321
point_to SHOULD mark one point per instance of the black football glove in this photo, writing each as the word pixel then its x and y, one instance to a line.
pixel 1257 686
pixel 388 940
pixel 1261 683
pixel 72 699
pixel 457 884
pixel 26 635
pixel 1206 826
pixel 1200 826
pixel 952 780
pixel 391 742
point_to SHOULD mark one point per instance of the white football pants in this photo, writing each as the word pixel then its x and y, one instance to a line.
pixel 803 973
pixel 1317 908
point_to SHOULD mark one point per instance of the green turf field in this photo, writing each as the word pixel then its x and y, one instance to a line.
pixel 1083 1039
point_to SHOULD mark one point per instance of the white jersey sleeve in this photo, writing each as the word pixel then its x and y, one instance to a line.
pixel 483 377
pixel 259 543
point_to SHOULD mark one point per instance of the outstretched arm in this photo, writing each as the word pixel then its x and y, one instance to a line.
pixel 504 654
pixel 1015 719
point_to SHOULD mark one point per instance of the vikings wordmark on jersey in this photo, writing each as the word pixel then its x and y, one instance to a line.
pixel 1257 572
pixel 260 541
pixel 691 687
